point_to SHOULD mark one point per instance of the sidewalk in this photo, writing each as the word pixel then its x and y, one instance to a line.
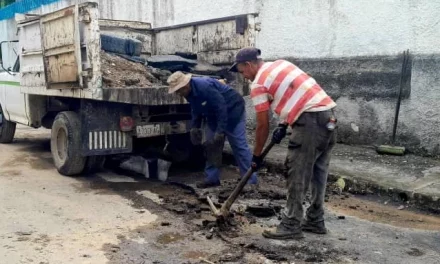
pixel 412 178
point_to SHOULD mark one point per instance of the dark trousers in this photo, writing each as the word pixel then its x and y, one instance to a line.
pixel 306 165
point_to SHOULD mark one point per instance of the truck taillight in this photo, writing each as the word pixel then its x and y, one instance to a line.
pixel 126 123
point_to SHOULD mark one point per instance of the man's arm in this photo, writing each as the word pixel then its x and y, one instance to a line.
pixel 262 132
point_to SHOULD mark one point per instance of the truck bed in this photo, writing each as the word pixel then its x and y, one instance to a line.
pixel 61 54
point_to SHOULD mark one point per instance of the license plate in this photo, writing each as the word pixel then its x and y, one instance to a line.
pixel 149 130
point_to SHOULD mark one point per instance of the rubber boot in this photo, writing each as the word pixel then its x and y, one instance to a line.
pixel 284 232
pixel 317 228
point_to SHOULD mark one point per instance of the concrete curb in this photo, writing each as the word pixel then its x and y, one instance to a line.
pixel 362 185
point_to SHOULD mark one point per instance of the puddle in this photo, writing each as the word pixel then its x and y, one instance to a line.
pixel 41 163
pixel 169 238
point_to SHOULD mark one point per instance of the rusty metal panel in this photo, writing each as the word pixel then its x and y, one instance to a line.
pixel 215 41
pixel 218 57
pixel 135 25
pixel 61 48
pixel 91 46
pixel 170 41
pixel 142 96
pixel 219 36
pixel 31 56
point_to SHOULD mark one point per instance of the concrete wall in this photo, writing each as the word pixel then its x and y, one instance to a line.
pixel 351 47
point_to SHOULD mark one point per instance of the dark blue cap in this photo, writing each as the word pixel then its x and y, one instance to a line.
pixel 244 55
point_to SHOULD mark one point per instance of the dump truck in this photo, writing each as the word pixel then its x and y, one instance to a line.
pixel 59 82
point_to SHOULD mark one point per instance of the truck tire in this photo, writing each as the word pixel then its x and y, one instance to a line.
pixel 7 129
pixel 94 164
pixel 65 144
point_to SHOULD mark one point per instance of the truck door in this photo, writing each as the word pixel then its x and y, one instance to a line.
pixel 13 102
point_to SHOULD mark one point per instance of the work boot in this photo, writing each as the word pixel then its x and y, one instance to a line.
pixel 206 184
pixel 317 228
pixel 283 233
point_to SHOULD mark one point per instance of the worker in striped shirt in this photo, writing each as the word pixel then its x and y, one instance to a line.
pixel 286 90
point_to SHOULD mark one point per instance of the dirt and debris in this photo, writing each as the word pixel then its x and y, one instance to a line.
pixel 256 210
pixel 118 72
pixel 168 238
pixel 263 210
pixel 415 252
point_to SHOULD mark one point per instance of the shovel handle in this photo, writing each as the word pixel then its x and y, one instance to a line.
pixel 267 149
pixel 237 190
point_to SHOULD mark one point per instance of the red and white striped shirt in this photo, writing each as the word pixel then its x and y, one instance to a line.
pixel 288 90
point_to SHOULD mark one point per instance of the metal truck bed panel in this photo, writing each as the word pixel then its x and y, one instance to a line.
pixel 134 95
pixel 141 96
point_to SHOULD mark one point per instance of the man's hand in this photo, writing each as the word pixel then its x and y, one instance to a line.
pixel 257 161
pixel 279 133
pixel 196 136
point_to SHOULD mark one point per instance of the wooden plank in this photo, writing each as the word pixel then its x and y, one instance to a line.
pixel 61 48
pixel 62 68
pixel 59 32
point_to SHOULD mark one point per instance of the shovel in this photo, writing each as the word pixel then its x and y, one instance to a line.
pixel 223 213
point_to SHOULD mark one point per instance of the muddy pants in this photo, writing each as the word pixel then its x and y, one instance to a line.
pixel 306 165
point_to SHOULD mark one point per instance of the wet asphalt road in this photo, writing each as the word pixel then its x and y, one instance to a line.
pixel 111 218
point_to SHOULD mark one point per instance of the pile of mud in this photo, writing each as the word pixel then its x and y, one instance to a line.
pixel 118 72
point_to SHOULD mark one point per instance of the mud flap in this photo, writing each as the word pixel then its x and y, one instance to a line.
pixel 101 134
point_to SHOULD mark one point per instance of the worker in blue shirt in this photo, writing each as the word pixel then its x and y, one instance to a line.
pixel 223 110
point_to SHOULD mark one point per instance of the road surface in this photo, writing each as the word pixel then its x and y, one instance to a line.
pixel 113 218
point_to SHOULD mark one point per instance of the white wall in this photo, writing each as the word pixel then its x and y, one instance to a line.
pixel 299 28
pixel 323 28
pixel 172 12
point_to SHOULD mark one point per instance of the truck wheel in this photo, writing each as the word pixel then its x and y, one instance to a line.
pixel 65 144
pixel 7 129
pixel 94 164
